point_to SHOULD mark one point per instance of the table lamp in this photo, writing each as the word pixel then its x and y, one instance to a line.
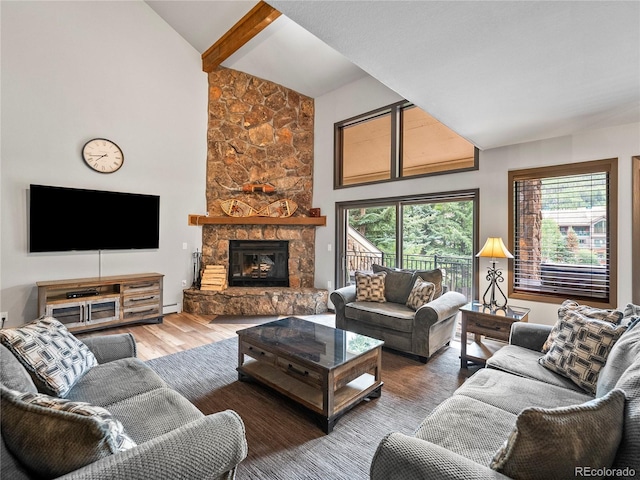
pixel 494 248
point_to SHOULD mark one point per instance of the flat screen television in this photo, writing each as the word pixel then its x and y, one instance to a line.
pixel 66 219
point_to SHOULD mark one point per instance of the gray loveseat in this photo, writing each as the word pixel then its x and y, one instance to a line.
pixel 420 332
pixel 459 439
pixel 174 439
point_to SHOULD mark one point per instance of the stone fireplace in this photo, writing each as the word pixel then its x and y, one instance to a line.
pixel 260 133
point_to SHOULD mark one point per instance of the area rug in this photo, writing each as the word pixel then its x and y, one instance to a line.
pixel 284 440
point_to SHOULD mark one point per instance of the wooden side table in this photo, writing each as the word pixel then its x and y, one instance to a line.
pixel 488 322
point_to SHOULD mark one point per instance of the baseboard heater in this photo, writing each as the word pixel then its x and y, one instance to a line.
pixel 171 308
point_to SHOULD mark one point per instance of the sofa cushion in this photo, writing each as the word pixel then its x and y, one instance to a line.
pixel 421 294
pixel 549 444
pixel 392 316
pixel 433 276
pixel 624 353
pixel 370 287
pixel 524 362
pixel 580 349
pixel 115 381
pixel 468 427
pixel 53 436
pixel 170 411
pixel 397 283
pixel 513 393
pixel 570 307
pixel 12 374
pixel 53 356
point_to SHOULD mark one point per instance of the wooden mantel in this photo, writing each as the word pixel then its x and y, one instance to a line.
pixel 197 220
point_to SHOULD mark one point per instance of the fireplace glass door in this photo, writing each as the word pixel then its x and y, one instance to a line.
pixel 259 263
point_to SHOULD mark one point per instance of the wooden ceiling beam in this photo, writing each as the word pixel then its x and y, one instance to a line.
pixel 256 20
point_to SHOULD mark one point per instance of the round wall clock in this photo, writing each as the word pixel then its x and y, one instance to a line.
pixel 102 155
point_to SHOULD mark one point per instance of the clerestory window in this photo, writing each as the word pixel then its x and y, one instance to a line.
pixel 396 142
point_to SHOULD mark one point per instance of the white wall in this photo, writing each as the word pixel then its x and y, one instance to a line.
pixel 72 71
pixel 367 94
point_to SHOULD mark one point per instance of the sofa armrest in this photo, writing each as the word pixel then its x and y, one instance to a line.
pixel 205 448
pixel 340 298
pixel 343 295
pixel 108 348
pixel 529 335
pixel 440 309
pixel 400 457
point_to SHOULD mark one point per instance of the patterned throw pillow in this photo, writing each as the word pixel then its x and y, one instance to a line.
pixel 421 293
pixel 53 356
pixel 631 310
pixel 580 348
pixel 550 443
pixel 611 316
pixel 370 287
pixel 53 436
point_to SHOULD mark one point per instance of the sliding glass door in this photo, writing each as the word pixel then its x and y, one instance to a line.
pixel 417 233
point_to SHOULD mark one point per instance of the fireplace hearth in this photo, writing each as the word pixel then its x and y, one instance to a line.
pixel 259 263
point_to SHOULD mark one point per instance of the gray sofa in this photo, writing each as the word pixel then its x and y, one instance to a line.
pixel 174 439
pixel 459 439
pixel 420 332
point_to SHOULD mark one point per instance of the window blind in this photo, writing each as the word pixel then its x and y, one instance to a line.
pixel 561 235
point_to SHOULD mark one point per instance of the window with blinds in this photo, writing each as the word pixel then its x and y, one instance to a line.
pixel 563 224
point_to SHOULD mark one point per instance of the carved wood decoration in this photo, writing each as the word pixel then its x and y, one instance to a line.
pixel 256 20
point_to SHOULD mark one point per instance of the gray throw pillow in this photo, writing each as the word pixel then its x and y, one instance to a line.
pixel 397 283
pixel 548 444
pixel 580 348
pixel 433 276
pixel 624 353
pixel 370 287
pixel 53 436
pixel 55 358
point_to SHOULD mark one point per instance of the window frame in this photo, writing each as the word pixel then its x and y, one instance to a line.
pixel 395 155
pixel 609 166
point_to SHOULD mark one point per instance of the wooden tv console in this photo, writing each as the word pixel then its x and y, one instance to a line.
pixel 84 304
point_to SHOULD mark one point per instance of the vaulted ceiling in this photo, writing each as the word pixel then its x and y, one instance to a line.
pixel 497 73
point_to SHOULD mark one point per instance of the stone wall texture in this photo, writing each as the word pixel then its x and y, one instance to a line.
pixel 256 301
pixel 259 132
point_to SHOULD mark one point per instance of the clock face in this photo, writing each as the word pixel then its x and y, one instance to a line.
pixel 102 155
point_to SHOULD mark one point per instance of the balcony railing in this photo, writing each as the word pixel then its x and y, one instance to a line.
pixel 457 271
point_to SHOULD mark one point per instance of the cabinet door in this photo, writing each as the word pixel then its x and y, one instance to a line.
pixel 71 314
pixel 102 310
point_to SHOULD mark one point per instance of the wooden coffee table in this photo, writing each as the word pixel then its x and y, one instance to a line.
pixel 327 370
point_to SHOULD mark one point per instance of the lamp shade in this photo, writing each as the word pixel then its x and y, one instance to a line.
pixel 494 248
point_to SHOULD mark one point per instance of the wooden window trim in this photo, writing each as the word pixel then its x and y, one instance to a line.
pixel 395 110
pixel 635 235
pixel 609 165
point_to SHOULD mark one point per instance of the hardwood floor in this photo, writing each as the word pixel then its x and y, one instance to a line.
pixel 182 331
